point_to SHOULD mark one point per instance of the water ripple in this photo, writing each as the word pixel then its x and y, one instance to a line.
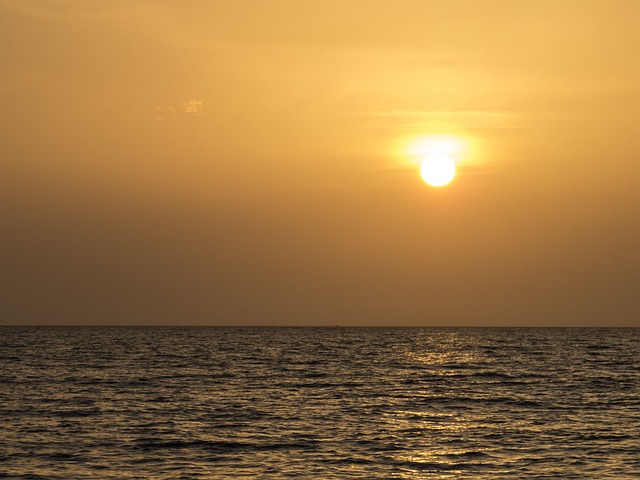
pixel 323 403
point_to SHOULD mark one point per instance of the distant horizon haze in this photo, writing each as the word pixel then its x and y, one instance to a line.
pixel 250 163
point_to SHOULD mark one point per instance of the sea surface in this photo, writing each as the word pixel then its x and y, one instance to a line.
pixel 319 403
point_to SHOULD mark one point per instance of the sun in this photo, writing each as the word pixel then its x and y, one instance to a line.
pixel 438 169
pixel 439 158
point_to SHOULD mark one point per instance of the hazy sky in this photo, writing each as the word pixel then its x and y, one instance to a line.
pixel 246 162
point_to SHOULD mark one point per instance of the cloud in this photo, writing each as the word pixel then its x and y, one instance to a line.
pixel 467 119
pixel 170 112
pixel 194 107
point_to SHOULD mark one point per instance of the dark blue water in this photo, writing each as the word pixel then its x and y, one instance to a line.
pixel 212 403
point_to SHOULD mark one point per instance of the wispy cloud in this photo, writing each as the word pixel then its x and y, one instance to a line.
pixel 170 112
pixel 194 107
pixel 474 119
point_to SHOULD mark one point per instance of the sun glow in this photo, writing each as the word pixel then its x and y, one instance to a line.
pixel 436 145
pixel 437 156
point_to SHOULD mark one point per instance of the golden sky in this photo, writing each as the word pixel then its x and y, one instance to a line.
pixel 246 162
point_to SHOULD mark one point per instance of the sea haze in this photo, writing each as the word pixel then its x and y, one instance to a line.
pixel 321 403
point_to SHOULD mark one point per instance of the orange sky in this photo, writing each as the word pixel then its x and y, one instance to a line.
pixel 244 163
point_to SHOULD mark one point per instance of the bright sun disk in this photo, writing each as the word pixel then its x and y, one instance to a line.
pixel 437 169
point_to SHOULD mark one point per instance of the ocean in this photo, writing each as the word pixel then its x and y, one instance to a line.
pixel 319 403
